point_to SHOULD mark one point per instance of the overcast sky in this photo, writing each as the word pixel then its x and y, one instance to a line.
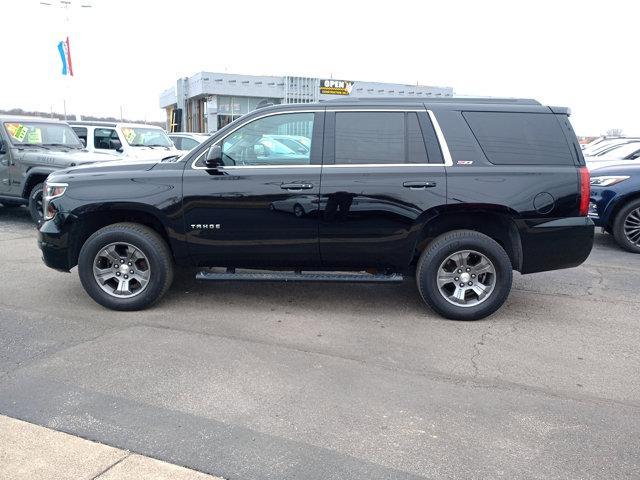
pixel 578 54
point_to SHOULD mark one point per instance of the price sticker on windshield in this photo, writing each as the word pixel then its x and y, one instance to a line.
pixel 34 136
pixel 129 134
pixel 17 131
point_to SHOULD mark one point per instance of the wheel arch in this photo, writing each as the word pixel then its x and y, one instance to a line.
pixel 495 221
pixel 619 204
pixel 33 177
pixel 89 222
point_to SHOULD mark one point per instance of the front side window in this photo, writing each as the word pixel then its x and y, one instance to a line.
pixel 106 139
pixel 81 132
pixel 370 137
pixel 264 141
pixel 177 141
pixel 41 133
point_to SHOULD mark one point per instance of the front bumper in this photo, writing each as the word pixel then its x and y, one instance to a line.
pixel 556 244
pixel 54 243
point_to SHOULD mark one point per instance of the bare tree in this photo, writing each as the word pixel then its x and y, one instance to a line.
pixel 614 132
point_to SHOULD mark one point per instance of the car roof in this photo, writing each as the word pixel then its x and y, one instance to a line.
pixel 448 103
pixel 26 118
pixel 111 124
pixel 189 134
pixel 418 100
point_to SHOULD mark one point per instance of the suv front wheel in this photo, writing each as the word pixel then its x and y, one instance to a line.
pixel 125 266
pixel 464 275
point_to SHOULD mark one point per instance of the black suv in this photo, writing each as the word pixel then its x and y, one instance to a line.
pixel 457 192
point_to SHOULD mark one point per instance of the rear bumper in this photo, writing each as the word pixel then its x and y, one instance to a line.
pixel 54 243
pixel 561 243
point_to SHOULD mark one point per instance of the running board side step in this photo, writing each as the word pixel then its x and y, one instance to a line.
pixel 299 277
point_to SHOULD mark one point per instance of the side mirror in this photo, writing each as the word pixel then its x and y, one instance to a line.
pixel 214 157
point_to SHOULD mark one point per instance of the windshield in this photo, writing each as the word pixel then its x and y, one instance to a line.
pixel 146 137
pixel 621 151
pixel 42 133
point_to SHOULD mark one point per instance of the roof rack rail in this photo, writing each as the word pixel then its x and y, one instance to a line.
pixel 479 100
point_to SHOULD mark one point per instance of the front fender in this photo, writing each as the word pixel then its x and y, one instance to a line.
pixel 30 174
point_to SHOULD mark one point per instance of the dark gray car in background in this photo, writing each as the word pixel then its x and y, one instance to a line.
pixel 30 149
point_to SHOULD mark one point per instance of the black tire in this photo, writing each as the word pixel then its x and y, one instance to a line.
pixel 627 215
pixel 35 202
pixel 448 244
pixel 143 238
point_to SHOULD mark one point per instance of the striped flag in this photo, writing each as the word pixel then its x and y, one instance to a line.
pixel 65 56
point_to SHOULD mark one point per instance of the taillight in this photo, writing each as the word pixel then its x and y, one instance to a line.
pixel 585 191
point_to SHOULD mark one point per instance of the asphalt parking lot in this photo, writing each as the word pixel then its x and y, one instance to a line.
pixel 257 381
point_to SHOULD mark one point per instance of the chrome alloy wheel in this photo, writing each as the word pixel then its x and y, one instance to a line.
pixel 466 278
pixel 121 270
pixel 632 227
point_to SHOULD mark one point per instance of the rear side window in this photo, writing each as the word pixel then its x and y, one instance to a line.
pixel 385 138
pixel 370 137
pixel 520 138
pixel 416 150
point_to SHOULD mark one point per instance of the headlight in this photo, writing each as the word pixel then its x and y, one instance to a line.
pixel 607 181
pixel 51 191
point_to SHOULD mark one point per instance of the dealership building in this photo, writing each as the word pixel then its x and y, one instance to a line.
pixel 208 101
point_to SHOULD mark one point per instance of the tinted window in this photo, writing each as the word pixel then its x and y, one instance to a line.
pixel 177 141
pixel 520 138
pixel 81 132
pixel 416 150
pixel 106 138
pixel 256 143
pixel 363 137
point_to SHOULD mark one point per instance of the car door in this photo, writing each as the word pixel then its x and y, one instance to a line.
pixel 260 208
pixel 382 171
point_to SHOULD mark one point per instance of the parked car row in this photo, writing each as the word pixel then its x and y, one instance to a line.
pixel 31 148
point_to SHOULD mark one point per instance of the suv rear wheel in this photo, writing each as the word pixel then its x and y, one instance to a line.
pixel 464 275
pixel 626 227
pixel 125 266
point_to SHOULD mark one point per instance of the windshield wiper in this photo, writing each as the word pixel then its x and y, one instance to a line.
pixel 150 145
pixel 64 145
pixel 38 145
pixel 170 157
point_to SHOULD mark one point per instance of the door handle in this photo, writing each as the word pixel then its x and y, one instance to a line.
pixel 296 186
pixel 419 185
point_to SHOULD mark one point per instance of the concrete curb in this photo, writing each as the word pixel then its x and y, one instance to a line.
pixel 31 452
